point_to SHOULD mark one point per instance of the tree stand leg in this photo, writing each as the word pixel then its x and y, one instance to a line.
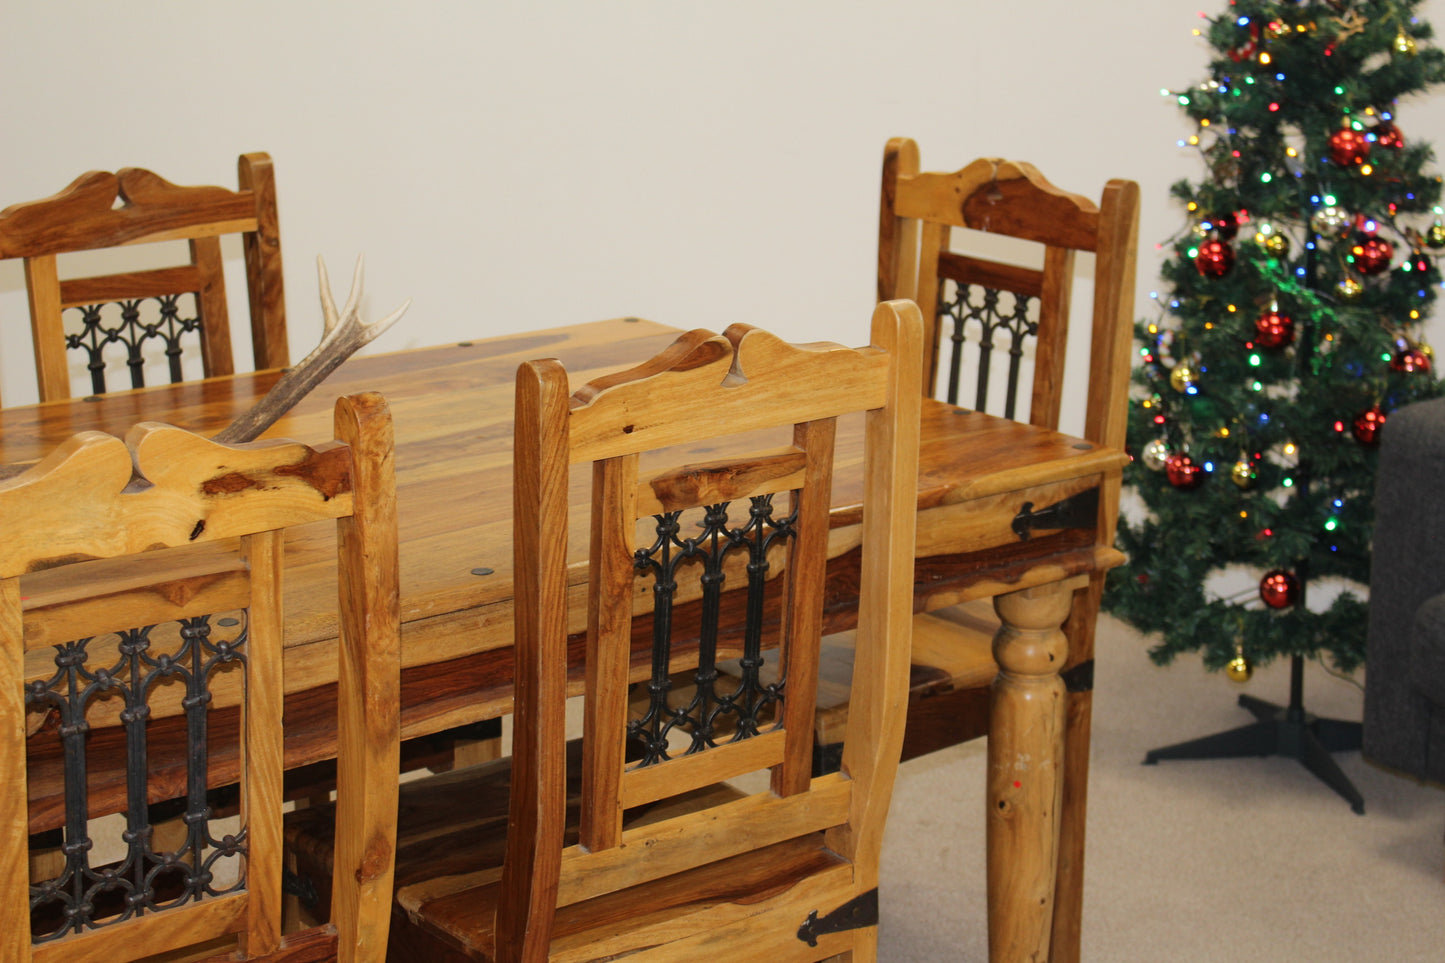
pixel 1281 731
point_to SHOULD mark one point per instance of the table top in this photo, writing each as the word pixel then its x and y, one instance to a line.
pixel 452 409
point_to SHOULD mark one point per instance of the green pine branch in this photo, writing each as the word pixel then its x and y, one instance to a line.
pixel 1343 245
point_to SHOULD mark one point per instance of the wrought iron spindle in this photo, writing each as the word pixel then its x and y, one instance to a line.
pixel 1020 323
pixel 73 726
pixel 139 834
pixel 711 549
pixel 658 561
pixel 700 716
pixel 133 334
pixel 92 338
pixel 170 328
pixel 751 696
pixel 83 896
pixel 196 703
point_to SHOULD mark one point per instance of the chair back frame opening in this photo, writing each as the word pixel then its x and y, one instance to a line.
pixel 126 313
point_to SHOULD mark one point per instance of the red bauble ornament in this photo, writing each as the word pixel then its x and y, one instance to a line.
pixel 1183 473
pixel 1279 589
pixel 1367 425
pixel 1214 259
pixel 1372 255
pixel 1388 135
pixel 1273 330
pixel 1245 51
pixel 1226 225
pixel 1348 147
pixel 1410 360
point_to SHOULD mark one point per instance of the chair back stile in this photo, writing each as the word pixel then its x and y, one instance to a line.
pixel 705 385
pixel 140 317
pixel 140 593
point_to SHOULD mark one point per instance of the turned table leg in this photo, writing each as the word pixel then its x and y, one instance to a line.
pixel 1025 756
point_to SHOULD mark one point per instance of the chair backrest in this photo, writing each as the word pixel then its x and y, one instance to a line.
pixel 141 651
pixel 986 299
pixel 141 317
pixel 762 512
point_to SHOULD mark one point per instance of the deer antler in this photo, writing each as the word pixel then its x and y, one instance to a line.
pixel 342 335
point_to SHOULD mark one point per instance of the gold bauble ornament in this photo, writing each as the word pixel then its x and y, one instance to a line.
pixel 1155 454
pixel 1242 474
pixel 1277 30
pixel 1349 290
pixel 1182 376
pixel 1239 669
pixel 1274 242
pixel 1405 44
pixel 1435 236
pixel 1427 351
pixel 1330 221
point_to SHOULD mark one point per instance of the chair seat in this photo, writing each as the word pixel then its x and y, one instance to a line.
pixel 691 911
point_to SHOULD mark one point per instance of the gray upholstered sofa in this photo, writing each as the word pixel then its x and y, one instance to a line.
pixel 1404 726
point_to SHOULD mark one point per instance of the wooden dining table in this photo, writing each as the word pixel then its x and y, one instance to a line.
pixel 985 529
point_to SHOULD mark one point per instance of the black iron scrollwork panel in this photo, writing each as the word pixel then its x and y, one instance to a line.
pixel 115 867
pixel 132 327
pixel 694 720
pixel 981 315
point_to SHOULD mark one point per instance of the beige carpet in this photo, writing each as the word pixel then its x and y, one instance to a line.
pixel 1188 862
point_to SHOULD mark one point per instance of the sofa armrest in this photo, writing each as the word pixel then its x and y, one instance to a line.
pixel 1427 649
pixel 1401 724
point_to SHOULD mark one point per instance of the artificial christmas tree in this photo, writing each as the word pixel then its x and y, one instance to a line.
pixel 1291 331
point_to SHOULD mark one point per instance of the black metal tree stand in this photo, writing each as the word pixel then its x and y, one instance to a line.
pixel 1281 731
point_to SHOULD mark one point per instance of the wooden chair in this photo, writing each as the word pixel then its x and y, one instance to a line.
pixel 143 317
pixel 988 313
pixel 990 306
pixel 995 314
pixel 141 629
pixel 639 850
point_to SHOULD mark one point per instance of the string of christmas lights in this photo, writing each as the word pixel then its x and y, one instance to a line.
pixel 1290 330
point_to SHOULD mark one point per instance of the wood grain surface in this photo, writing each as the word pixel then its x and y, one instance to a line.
pixel 452 411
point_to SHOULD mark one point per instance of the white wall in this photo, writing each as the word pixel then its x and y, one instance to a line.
pixel 512 166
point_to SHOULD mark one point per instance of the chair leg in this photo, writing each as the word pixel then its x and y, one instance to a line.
pixel 470 744
pixel 470 752
pixel 1073 809
pixel 1025 752
pixel 169 835
pixel 47 859
pixel 827 758
pixel 295 914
